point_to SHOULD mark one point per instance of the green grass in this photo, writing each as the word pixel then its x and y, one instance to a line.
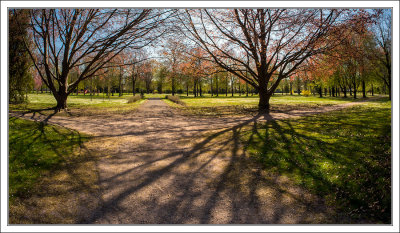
pixel 253 101
pixel 343 156
pixel 79 105
pixel 242 105
pixel 36 149
pixel 146 96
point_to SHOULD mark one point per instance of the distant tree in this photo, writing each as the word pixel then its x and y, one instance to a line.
pixel 161 75
pixel 20 77
pixel 173 51
pixel 146 74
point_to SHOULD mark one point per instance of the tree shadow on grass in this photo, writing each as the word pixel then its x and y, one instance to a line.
pixel 337 157
pixel 51 173
pixel 291 173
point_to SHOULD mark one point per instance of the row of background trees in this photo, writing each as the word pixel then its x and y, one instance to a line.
pixel 217 51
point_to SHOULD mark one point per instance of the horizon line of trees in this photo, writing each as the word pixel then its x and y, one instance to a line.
pixel 216 51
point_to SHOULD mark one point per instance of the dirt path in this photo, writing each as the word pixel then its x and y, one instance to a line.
pixel 154 168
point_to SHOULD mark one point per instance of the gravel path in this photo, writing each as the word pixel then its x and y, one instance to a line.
pixel 155 169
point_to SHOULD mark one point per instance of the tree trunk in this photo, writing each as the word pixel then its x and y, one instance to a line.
pixel 355 90
pixel 263 105
pixel 240 93
pixel 61 98
pixel 247 89
pixel 217 85
pixel 133 86
pixel 372 89
pixel 389 74
pixel 200 88
pixel 61 103
pixel 120 82
pixel 173 84
pixel 187 88
pixel 363 89
pixel 232 85
pixel 212 93
pixel 291 88
pixel 108 90
pixel 226 89
pixel 194 89
pixel 320 91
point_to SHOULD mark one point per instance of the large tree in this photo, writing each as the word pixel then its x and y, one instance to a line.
pixel 277 41
pixel 20 78
pixel 86 38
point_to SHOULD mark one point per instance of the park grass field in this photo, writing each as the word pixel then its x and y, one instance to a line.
pixel 242 105
pixel 48 164
pixel 343 156
pixel 253 100
pixel 79 104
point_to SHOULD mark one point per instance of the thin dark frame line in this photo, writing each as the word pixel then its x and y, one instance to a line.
pixel 392 71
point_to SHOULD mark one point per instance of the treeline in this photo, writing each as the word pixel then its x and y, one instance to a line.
pixel 337 52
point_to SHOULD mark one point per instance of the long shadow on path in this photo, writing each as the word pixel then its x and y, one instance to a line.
pixel 207 181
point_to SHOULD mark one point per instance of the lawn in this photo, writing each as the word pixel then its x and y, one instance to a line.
pixel 47 164
pixel 80 104
pixel 253 100
pixel 242 105
pixel 343 156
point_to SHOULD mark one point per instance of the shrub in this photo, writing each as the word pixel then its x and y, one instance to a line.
pixel 175 99
pixel 133 99
pixel 155 92
pixel 306 93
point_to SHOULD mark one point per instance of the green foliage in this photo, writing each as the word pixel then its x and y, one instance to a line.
pixel 305 93
pixel 160 78
pixel 20 79
pixel 344 156
pixel 36 148
pixel 133 99
pixel 175 99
